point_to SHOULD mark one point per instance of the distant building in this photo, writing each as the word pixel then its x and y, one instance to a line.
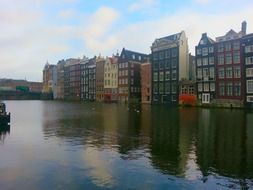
pixel 111 79
pixel 170 64
pixel 88 80
pixel 230 80
pixel 100 63
pixel 72 83
pixel 205 69
pixel 129 75
pixel 12 84
pixel 60 79
pixel 247 49
pixel 50 79
pixel 146 82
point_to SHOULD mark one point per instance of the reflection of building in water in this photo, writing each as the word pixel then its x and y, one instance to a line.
pixel 249 142
pixel 222 143
pixel 173 141
pixel 4 131
pixel 165 153
pixel 187 137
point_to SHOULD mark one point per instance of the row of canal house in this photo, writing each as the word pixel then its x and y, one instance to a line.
pixel 221 73
pixel 224 69
pixel 110 79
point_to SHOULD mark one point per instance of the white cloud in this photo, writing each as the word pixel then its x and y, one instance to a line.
pixel 96 34
pixel 66 14
pixel 202 1
pixel 142 4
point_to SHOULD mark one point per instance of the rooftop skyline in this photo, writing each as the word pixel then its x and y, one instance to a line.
pixel 34 31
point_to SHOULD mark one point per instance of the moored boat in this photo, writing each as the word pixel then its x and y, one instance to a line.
pixel 4 117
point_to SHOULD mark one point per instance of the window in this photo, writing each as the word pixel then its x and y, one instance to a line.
pixel 198 51
pixel 161 55
pixel 228 46
pixel 237 89
pixel 249 98
pixel 229 73
pixel 249 49
pixel 220 48
pixel 174 52
pixel 199 73
pixel 249 72
pixel 205 61
pixel 133 56
pixel 132 81
pixel 174 63
pixel 199 62
pixel 174 87
pixel 155 88
pixel 249 86
pixel 167 53
pixel 211 60
pixel 167 75
pixel 237 72
pixel 206 87
pixel 211 72
pixel 200 87
pixel 205 51
pixel 139 57
pixel 132 72
pixel 155 65
pixel 211 49
pixel 230 89
pixel 221 73
pixel 167 64
pixel 205 73
pixel 228 58
pixel 221 89
pixel 212 86
pixel 161 76
pixel 155 77
pixel 236 45
pixel 161 88
pixel 161 65
pixel 249 60
pixel 236 57
pixel 174 74
pixel 167 87
pixel 221 59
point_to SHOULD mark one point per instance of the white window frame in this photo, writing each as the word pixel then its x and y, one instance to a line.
pixel 249 60
pixel 249 72
pixel 247 86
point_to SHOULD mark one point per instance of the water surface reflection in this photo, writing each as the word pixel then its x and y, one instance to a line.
pixel 135 147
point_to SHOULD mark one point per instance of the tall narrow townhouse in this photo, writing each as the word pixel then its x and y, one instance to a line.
pixel 230 80
pixel 247 51
pixel 88 78
pixel 111 79
pixel 170 64
pixel 205 69
pixel 129 77
pixel 100 64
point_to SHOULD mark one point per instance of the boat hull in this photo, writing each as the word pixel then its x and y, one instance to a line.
pixel 5 119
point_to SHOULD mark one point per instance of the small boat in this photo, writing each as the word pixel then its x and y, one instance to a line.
pixel 4 117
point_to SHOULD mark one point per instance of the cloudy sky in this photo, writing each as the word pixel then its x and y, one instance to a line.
pixel 34 31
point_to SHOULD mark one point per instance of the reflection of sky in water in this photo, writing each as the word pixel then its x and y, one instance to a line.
pixel 61 145
pixel 100 167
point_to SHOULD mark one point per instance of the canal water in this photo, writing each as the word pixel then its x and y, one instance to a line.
pixel 66 145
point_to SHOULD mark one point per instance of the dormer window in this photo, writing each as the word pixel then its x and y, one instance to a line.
pixel 139 58
pixel 133 56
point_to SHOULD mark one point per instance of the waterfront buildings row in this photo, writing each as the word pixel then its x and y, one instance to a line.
pixel 220 73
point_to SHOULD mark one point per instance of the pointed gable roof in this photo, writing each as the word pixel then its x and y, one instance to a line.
pixel 205 40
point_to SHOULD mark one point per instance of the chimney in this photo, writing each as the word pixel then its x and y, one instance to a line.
pixel 244 28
